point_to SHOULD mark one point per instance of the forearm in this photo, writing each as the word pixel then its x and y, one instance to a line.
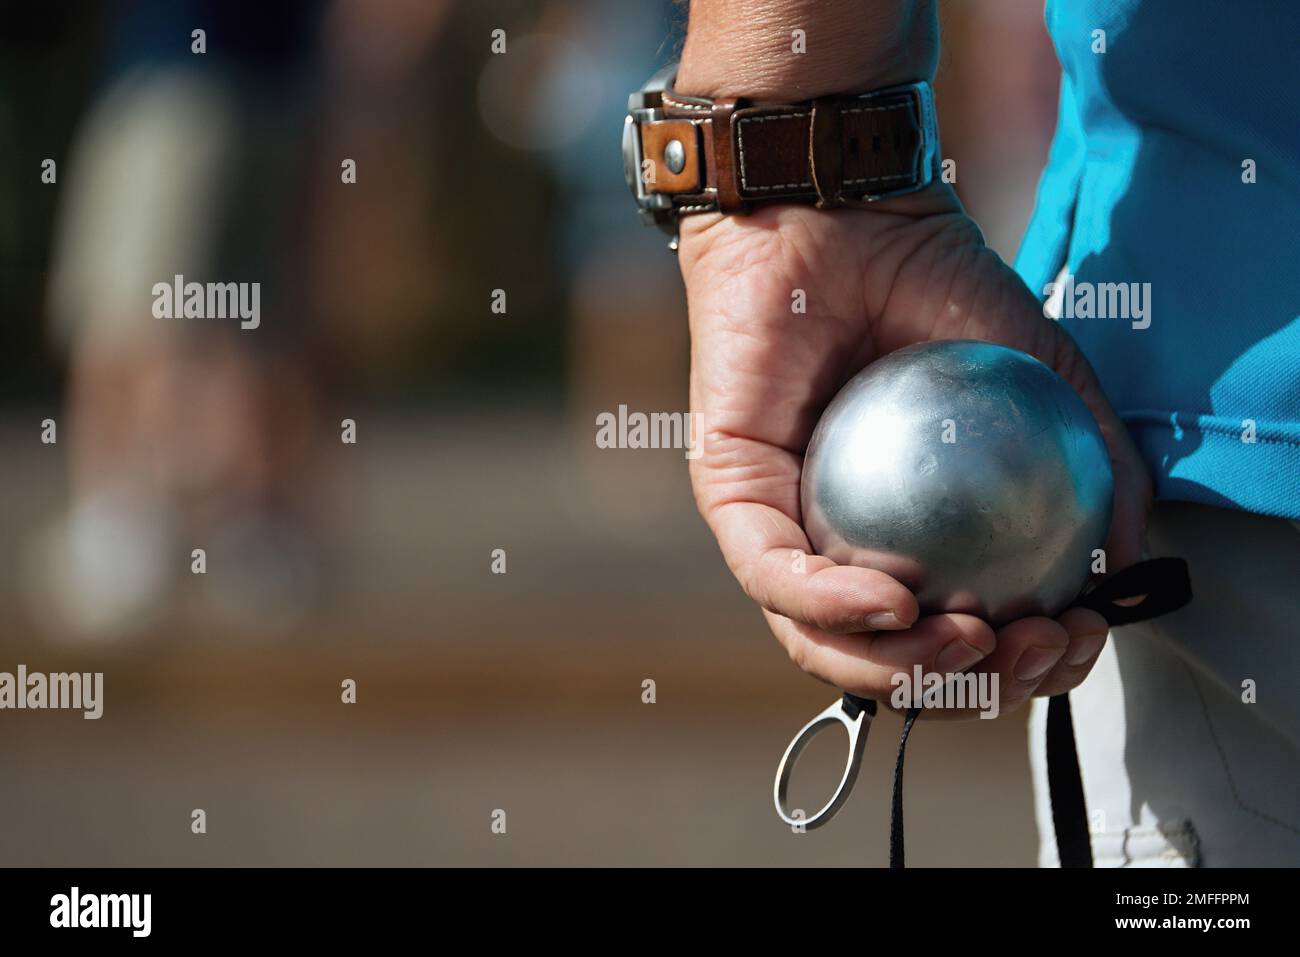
pixel 747 47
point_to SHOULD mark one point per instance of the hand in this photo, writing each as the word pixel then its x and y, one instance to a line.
pixel 906 270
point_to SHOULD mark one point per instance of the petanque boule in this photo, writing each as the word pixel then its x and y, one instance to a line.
pixel 970 472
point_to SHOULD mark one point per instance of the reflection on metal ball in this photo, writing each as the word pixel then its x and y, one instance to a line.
pixel 970 472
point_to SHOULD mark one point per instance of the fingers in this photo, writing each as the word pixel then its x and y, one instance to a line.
pixel 1132 483
pixel 768 552
pixel 1132 499
pixel 1132 503
pixel 866 664
pixel 1027 651
pixel 1087 632
pixel 1029 658
pixel 748 492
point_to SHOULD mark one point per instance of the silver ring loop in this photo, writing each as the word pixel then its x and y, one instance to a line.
pixel 857 727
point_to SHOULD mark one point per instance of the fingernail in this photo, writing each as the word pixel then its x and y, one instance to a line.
pixel 1036 662
pixel 1084 649
pixel 884 621
pixel 956 656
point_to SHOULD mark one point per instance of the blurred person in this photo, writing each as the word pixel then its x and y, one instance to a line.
pixel 183 432
pixel 1164 117
pixel 224 165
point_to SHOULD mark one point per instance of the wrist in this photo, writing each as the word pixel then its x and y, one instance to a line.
pixel 749 47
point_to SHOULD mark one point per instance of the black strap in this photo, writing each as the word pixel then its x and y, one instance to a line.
pixel 1162 583
pixel 1164 586
pixel 1065 787
pixel 853 704
pixel 896 808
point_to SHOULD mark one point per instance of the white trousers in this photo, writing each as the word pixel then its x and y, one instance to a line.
pixel 1188 729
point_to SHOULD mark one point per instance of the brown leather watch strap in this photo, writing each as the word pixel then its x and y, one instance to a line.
pixel 729 155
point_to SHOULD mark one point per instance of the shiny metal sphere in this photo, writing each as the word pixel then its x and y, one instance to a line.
pixel 970 472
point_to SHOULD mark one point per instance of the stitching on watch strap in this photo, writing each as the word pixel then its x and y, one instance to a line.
pixel 672 101
pixel 740 149
pixel 880 179
pixel 877 109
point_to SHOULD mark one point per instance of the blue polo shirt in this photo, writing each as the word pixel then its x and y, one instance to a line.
pixel 1147 197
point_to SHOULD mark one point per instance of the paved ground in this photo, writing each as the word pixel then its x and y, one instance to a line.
pixel 475 692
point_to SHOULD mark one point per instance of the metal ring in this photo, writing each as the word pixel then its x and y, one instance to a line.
pixel 857 727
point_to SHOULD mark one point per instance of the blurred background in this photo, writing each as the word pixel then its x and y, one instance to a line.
pixel 475 431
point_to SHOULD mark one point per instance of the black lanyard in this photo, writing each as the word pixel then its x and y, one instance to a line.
pixel 1167 587
pixel 1163 586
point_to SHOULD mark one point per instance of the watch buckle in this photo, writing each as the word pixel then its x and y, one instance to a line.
pixel 652 207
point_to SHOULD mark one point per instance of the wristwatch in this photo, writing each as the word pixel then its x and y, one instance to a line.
pixel 688 154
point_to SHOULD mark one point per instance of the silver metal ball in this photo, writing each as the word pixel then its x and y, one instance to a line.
pixel 970 472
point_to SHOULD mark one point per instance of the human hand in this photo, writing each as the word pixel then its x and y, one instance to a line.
pixel 906 270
